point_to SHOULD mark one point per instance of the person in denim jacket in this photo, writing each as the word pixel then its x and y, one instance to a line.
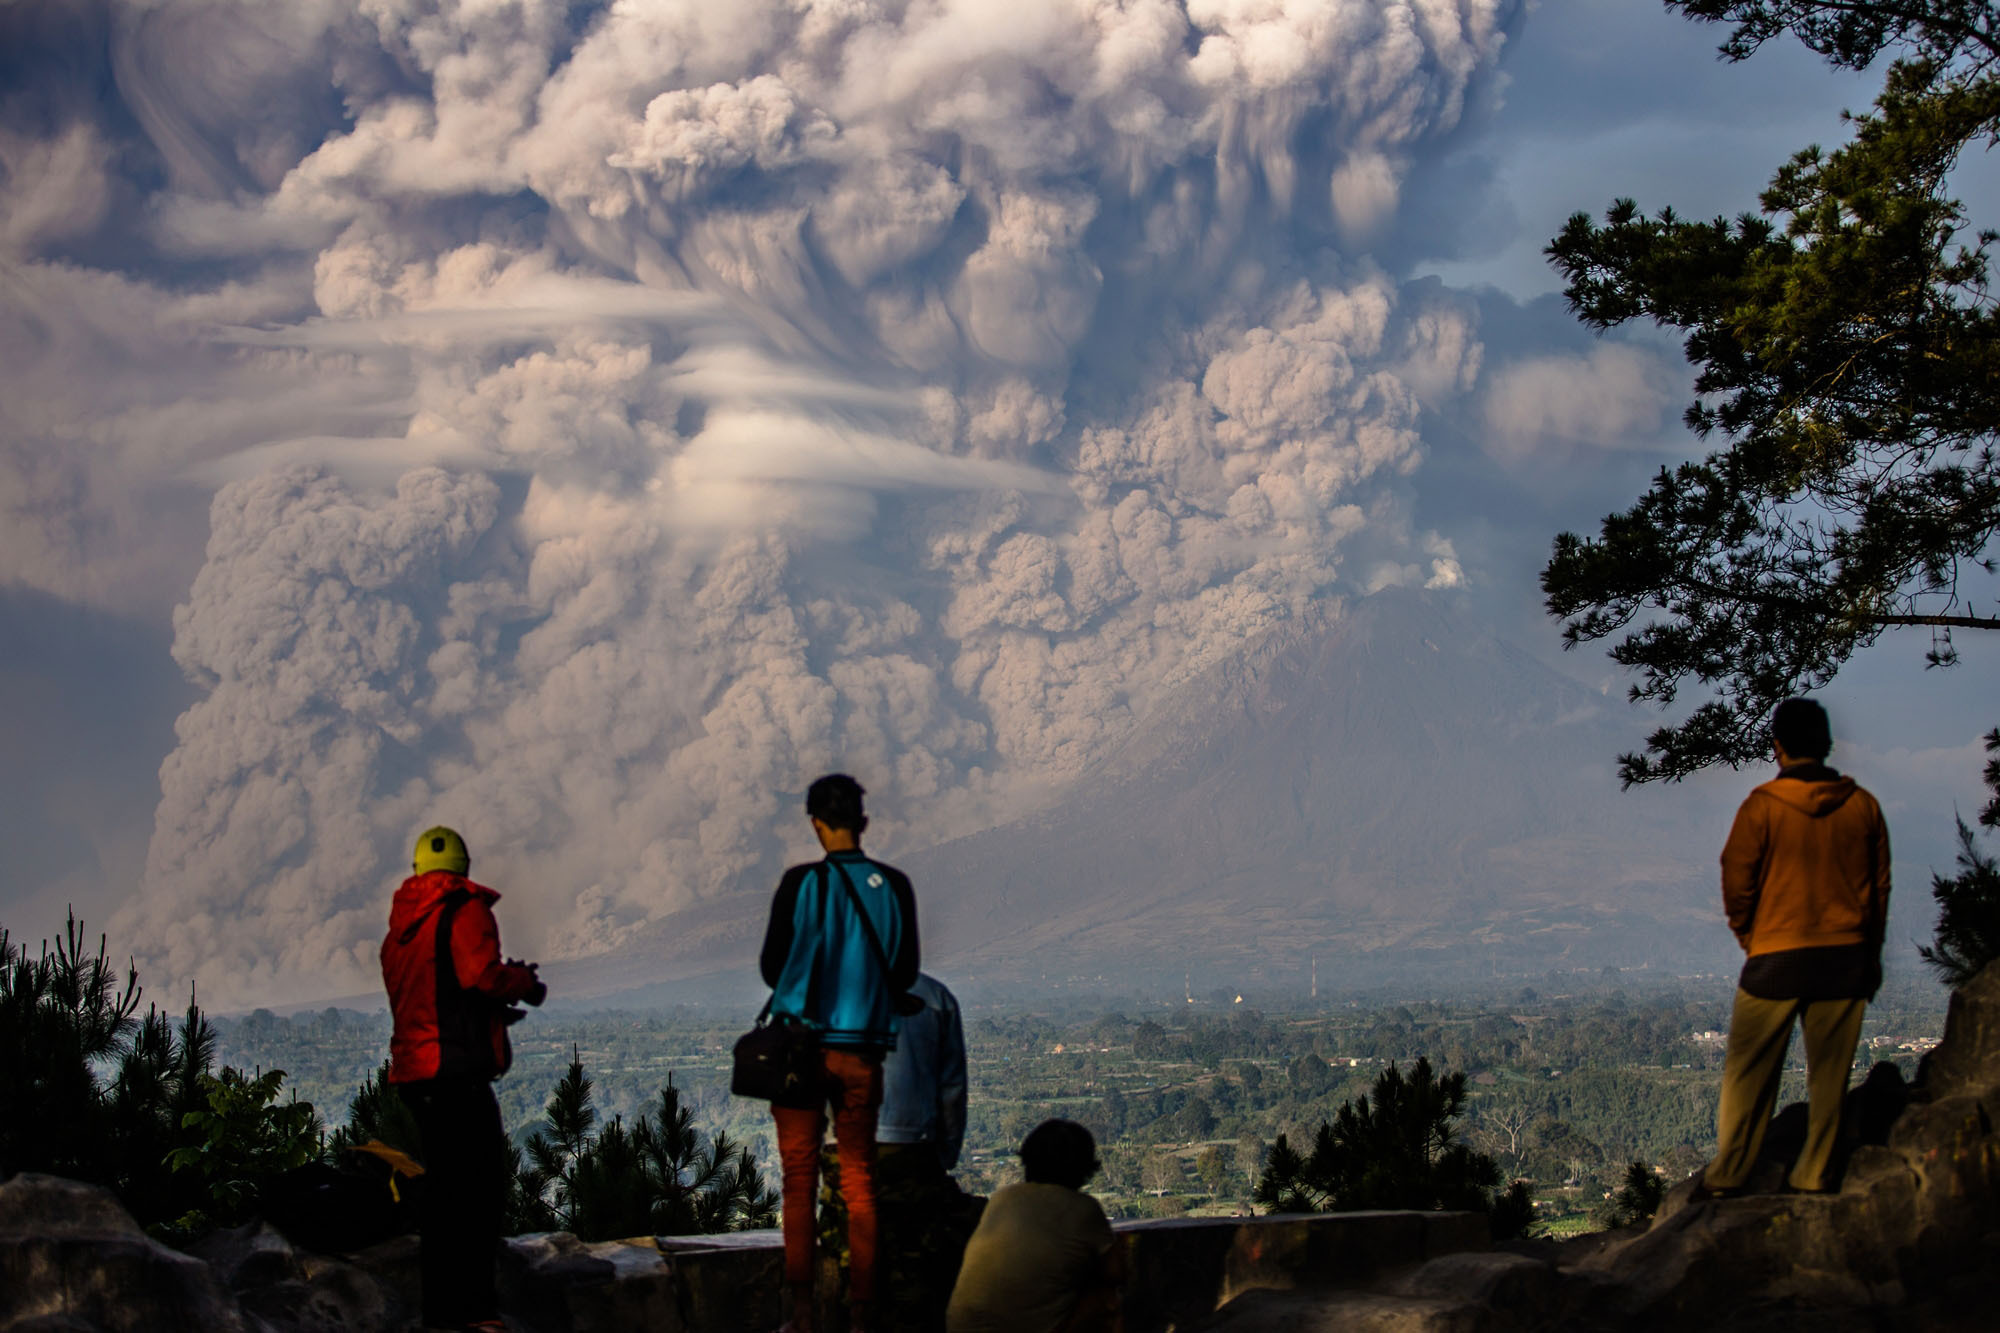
pixel 924 1218
pixel 923 1080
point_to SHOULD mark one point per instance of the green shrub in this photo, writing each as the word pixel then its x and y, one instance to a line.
pixel 243 1138
pixel 96 1093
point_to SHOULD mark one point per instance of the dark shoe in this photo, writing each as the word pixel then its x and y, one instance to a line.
pixel 1822 1192
pixel 1704 1193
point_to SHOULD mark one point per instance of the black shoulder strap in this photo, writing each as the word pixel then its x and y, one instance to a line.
pixel 447 971
pixel 867 926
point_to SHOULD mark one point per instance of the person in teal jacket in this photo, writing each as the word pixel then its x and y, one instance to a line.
pixel 839 954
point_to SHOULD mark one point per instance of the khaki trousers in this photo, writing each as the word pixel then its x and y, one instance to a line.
pixel 1759 1032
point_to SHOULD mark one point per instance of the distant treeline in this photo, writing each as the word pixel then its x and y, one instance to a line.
pixel 1564 1089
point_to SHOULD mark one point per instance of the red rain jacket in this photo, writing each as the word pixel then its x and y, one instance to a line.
pixel 448 994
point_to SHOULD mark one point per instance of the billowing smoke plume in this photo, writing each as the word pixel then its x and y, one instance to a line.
pixel 617 414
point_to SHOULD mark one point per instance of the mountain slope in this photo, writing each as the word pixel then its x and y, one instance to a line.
pixel 1385 790
pixel 1355 790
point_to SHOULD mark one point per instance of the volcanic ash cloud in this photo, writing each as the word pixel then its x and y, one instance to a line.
pixel 726 392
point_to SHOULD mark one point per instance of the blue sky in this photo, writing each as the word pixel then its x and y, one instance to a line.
pixel 937 392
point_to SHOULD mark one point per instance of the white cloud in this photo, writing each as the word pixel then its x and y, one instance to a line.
pixel 51 189
pixel 1615 398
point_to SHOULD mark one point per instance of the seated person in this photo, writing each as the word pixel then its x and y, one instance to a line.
pixel 1043 1258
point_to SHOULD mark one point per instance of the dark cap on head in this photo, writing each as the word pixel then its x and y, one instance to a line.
pixel 1800 726
pixel 1059 1152
pixel 835 801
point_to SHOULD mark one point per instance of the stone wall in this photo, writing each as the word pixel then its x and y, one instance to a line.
pixel 72 1259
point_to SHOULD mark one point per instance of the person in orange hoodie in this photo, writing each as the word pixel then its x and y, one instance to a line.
pixel 1805 884
pixel 451 998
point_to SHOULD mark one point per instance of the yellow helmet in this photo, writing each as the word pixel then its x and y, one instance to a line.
pixel 441 849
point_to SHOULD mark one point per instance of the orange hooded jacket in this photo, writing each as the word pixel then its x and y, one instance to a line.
pixel 1807 864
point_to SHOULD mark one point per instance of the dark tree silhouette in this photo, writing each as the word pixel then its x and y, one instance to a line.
pixel 1844 341
pixel 661 1177
pixel 1638 1198
pixel 94 1091
pixel 1395 1149
pixel 1968 928
pixel 377 1114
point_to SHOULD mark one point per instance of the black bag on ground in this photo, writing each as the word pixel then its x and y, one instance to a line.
pixel 778 1061
pixel 332 1211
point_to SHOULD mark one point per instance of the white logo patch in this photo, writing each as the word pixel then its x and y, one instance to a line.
pixel 874 881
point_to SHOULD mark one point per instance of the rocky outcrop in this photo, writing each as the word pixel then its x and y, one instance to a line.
pixel 71 1258
pixel 1910 1240
pixel 1916 1217
pixel 70 1254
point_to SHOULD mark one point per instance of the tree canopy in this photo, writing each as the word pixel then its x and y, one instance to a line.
pixel 1844 343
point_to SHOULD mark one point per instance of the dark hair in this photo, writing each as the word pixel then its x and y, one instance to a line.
pixel 1059 1152
pixel 835 801
pixel 1801 727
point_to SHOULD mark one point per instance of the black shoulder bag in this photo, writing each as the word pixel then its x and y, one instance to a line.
pixel 777 1060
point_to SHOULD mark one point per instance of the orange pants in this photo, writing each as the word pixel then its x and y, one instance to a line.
pixel 854 1090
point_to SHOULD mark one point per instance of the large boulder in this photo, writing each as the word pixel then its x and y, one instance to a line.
pixel 1968 1059
pixel 1917 1212
pixel 72 1258
pixel 294 1290
pixel 556 1283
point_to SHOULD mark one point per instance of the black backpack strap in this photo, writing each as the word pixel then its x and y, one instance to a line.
pixel 867 926
pixel 447 971
pixel 463 1016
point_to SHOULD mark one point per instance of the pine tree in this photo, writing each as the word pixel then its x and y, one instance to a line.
pixel 1968 929
pixel 662 1176
pixel 553 1153
pixel 378 1115
pixel 94 1092
pixel 1394 1148
pixel 1638 1198
pixel 1847 348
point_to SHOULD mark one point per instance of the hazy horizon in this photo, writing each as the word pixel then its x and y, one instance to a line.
pixel 584 424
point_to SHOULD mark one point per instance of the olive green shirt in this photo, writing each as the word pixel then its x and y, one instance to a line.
pixel 1037 1250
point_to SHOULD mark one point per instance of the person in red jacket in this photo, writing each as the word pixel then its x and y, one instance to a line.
pixel 451 997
